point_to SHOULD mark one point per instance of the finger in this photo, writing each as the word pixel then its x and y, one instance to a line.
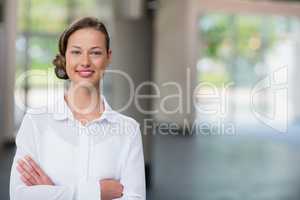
pixel 27 183
pixel 46 180
pixel 43 177
pixel 23 172
pixel 26 175
pixel 35 166
pixel 121 189
pixel 29 169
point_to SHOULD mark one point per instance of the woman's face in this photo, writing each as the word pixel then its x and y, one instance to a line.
pixel 86 56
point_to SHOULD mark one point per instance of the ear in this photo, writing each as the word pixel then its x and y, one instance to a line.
pixel 109 56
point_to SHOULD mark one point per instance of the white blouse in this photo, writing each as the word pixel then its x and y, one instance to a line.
pixel 77 157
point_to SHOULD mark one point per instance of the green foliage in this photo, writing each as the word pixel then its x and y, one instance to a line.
pixel 214 28
pixel 44 15
pixel 235 40
pixel 42 51
pixel 237 32
pixel 217 80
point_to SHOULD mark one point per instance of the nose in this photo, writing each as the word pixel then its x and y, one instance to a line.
pixel 85 60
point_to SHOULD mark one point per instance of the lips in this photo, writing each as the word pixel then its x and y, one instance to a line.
pixel 85 73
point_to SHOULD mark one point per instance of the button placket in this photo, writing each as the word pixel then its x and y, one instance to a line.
pixel 83 153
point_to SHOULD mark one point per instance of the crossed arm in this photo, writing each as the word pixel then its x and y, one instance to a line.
pixel 31 174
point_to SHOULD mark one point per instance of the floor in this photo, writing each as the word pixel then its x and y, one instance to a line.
pixel 254 164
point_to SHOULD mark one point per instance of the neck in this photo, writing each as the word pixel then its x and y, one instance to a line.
pixel 84 99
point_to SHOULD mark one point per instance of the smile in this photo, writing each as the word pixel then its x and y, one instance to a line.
pixel 85 73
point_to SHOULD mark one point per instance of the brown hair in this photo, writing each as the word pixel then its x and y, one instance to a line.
pixel 86 22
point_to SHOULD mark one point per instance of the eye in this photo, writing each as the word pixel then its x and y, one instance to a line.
pixel 75 52
pixel 97 53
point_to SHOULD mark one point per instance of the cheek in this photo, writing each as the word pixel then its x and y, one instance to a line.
pixel 70 63
pixel 100 64
pixel 70 68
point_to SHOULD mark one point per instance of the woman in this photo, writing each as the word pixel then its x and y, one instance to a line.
pixel 83 150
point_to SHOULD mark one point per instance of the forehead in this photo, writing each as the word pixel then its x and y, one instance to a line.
pixel 87 36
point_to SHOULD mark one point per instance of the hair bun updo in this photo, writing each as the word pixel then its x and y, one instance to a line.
pixel 60 67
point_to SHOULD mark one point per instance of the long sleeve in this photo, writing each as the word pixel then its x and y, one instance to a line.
pixel 26 142
pixel 133 172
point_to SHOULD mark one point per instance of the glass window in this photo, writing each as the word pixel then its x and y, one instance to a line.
pixel 237 52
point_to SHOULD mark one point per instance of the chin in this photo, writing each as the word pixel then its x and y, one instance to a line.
pixel 93 79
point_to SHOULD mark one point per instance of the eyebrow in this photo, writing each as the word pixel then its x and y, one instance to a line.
pixel 78 47
pixel 96 47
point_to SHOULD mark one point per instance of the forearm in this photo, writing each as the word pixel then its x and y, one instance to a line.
pixel 42 192
pixel 80 191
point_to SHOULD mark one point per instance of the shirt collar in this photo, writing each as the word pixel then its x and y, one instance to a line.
pixel 61 111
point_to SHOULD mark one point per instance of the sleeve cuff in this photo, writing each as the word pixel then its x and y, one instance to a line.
pixel 89 190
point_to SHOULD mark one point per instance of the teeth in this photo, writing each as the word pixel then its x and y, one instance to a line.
pixel 85 73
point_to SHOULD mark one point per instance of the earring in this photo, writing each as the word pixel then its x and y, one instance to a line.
pixel 61 73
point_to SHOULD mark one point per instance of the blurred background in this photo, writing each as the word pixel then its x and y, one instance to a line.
pixel 235 65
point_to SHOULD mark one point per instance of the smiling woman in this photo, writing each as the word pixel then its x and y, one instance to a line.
pixel 86 151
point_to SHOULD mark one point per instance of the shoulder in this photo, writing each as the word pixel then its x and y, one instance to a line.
pixel 32 122
pixel 28 134
pixel 127 125
pixel 26 130
pixel 35 117
pixel 121 118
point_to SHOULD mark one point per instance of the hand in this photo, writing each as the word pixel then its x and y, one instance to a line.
pixel 31 173
pixel 111 189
